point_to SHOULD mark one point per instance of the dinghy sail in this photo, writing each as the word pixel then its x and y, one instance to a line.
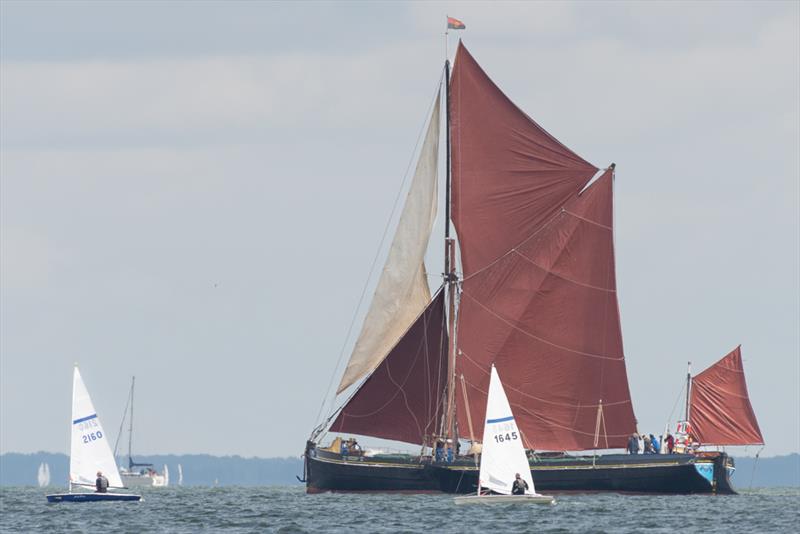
pixel 90 452
pixel 503 457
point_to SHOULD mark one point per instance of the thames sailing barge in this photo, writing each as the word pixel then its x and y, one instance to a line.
pixel 535 296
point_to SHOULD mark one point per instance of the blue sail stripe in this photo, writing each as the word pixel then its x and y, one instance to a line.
pixel 502 419
pixel 82 419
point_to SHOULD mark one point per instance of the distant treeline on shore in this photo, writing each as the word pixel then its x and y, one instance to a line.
pixel 206 470
pixel 198 469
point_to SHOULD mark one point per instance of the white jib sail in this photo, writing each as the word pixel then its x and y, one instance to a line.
pixel 90 451
pixel 503 454
pixel 402 291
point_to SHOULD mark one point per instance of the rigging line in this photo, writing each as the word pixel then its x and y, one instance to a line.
pixel 544 225
pixel 753 473
pixel 562 277
pixel 584 219
pixel 401 387
pixel 714 388
pixel 122 423
pixel 510 387
pixel 677 400
pixel 533 336
pixel 396 393
pixel 541 228
pixel 380 247
pixel 571 429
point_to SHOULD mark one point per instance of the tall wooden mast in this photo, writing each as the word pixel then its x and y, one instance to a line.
pixel 449 277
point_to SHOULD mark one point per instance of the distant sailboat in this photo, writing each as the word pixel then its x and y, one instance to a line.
pixel 503 455
pixel 138 473
pixel 180 475
pixel 90 452
pixel 43 475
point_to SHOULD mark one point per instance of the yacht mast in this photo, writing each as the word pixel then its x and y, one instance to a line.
pixel 130 428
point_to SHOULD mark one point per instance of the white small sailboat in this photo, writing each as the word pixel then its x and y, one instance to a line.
pixel 90 452
pixel 180 475
pixel 138 473
pixel 503 456
pixel 43 475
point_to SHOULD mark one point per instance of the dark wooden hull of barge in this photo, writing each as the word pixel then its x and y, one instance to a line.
pixel 620 473
pixel 327 471
pixel 640 474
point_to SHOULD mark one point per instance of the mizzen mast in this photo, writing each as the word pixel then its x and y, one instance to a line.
pixel 688 389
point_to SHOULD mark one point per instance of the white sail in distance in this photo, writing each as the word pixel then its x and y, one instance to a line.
pixel 503 455
pixel 402 291
pixel 90 450
pixel 43 475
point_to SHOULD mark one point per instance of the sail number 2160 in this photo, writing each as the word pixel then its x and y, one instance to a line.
pixel 94 436
pixel 508 436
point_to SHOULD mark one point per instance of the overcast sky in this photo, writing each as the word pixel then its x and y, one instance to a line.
pixel 193 192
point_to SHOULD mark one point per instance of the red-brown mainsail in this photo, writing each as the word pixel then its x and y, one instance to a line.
pixel 720 411
pixel 539 293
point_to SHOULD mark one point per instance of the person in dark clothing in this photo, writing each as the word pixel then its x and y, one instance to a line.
pixel 101 484
pixel 519 487
pixel 670 443
pixel 648 447
pixel 633 444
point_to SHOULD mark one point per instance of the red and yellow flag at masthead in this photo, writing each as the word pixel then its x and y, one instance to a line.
pixel 455 24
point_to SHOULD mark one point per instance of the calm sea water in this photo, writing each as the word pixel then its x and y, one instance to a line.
pixel 289 509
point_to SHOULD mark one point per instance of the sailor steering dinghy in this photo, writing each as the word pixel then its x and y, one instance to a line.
pixel 503 456
pixel 89 452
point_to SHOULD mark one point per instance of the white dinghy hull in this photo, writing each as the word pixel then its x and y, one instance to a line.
pixel 504 499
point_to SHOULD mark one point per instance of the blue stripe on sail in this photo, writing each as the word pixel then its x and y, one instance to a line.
pixel 82 419
pixel 502 419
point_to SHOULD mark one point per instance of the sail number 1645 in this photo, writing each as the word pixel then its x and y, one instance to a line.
pixel 508 436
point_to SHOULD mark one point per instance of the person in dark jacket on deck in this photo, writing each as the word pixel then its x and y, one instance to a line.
pixel 633 444
pixel 101 484
pixel 519 487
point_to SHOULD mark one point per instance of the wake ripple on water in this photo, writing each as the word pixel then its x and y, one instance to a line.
pixel 290 510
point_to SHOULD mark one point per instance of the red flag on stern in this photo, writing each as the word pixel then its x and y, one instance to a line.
pixel 455 24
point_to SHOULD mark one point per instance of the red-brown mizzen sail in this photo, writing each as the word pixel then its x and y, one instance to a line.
pixel 720 410
pixel 400 400
pixel 539 290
